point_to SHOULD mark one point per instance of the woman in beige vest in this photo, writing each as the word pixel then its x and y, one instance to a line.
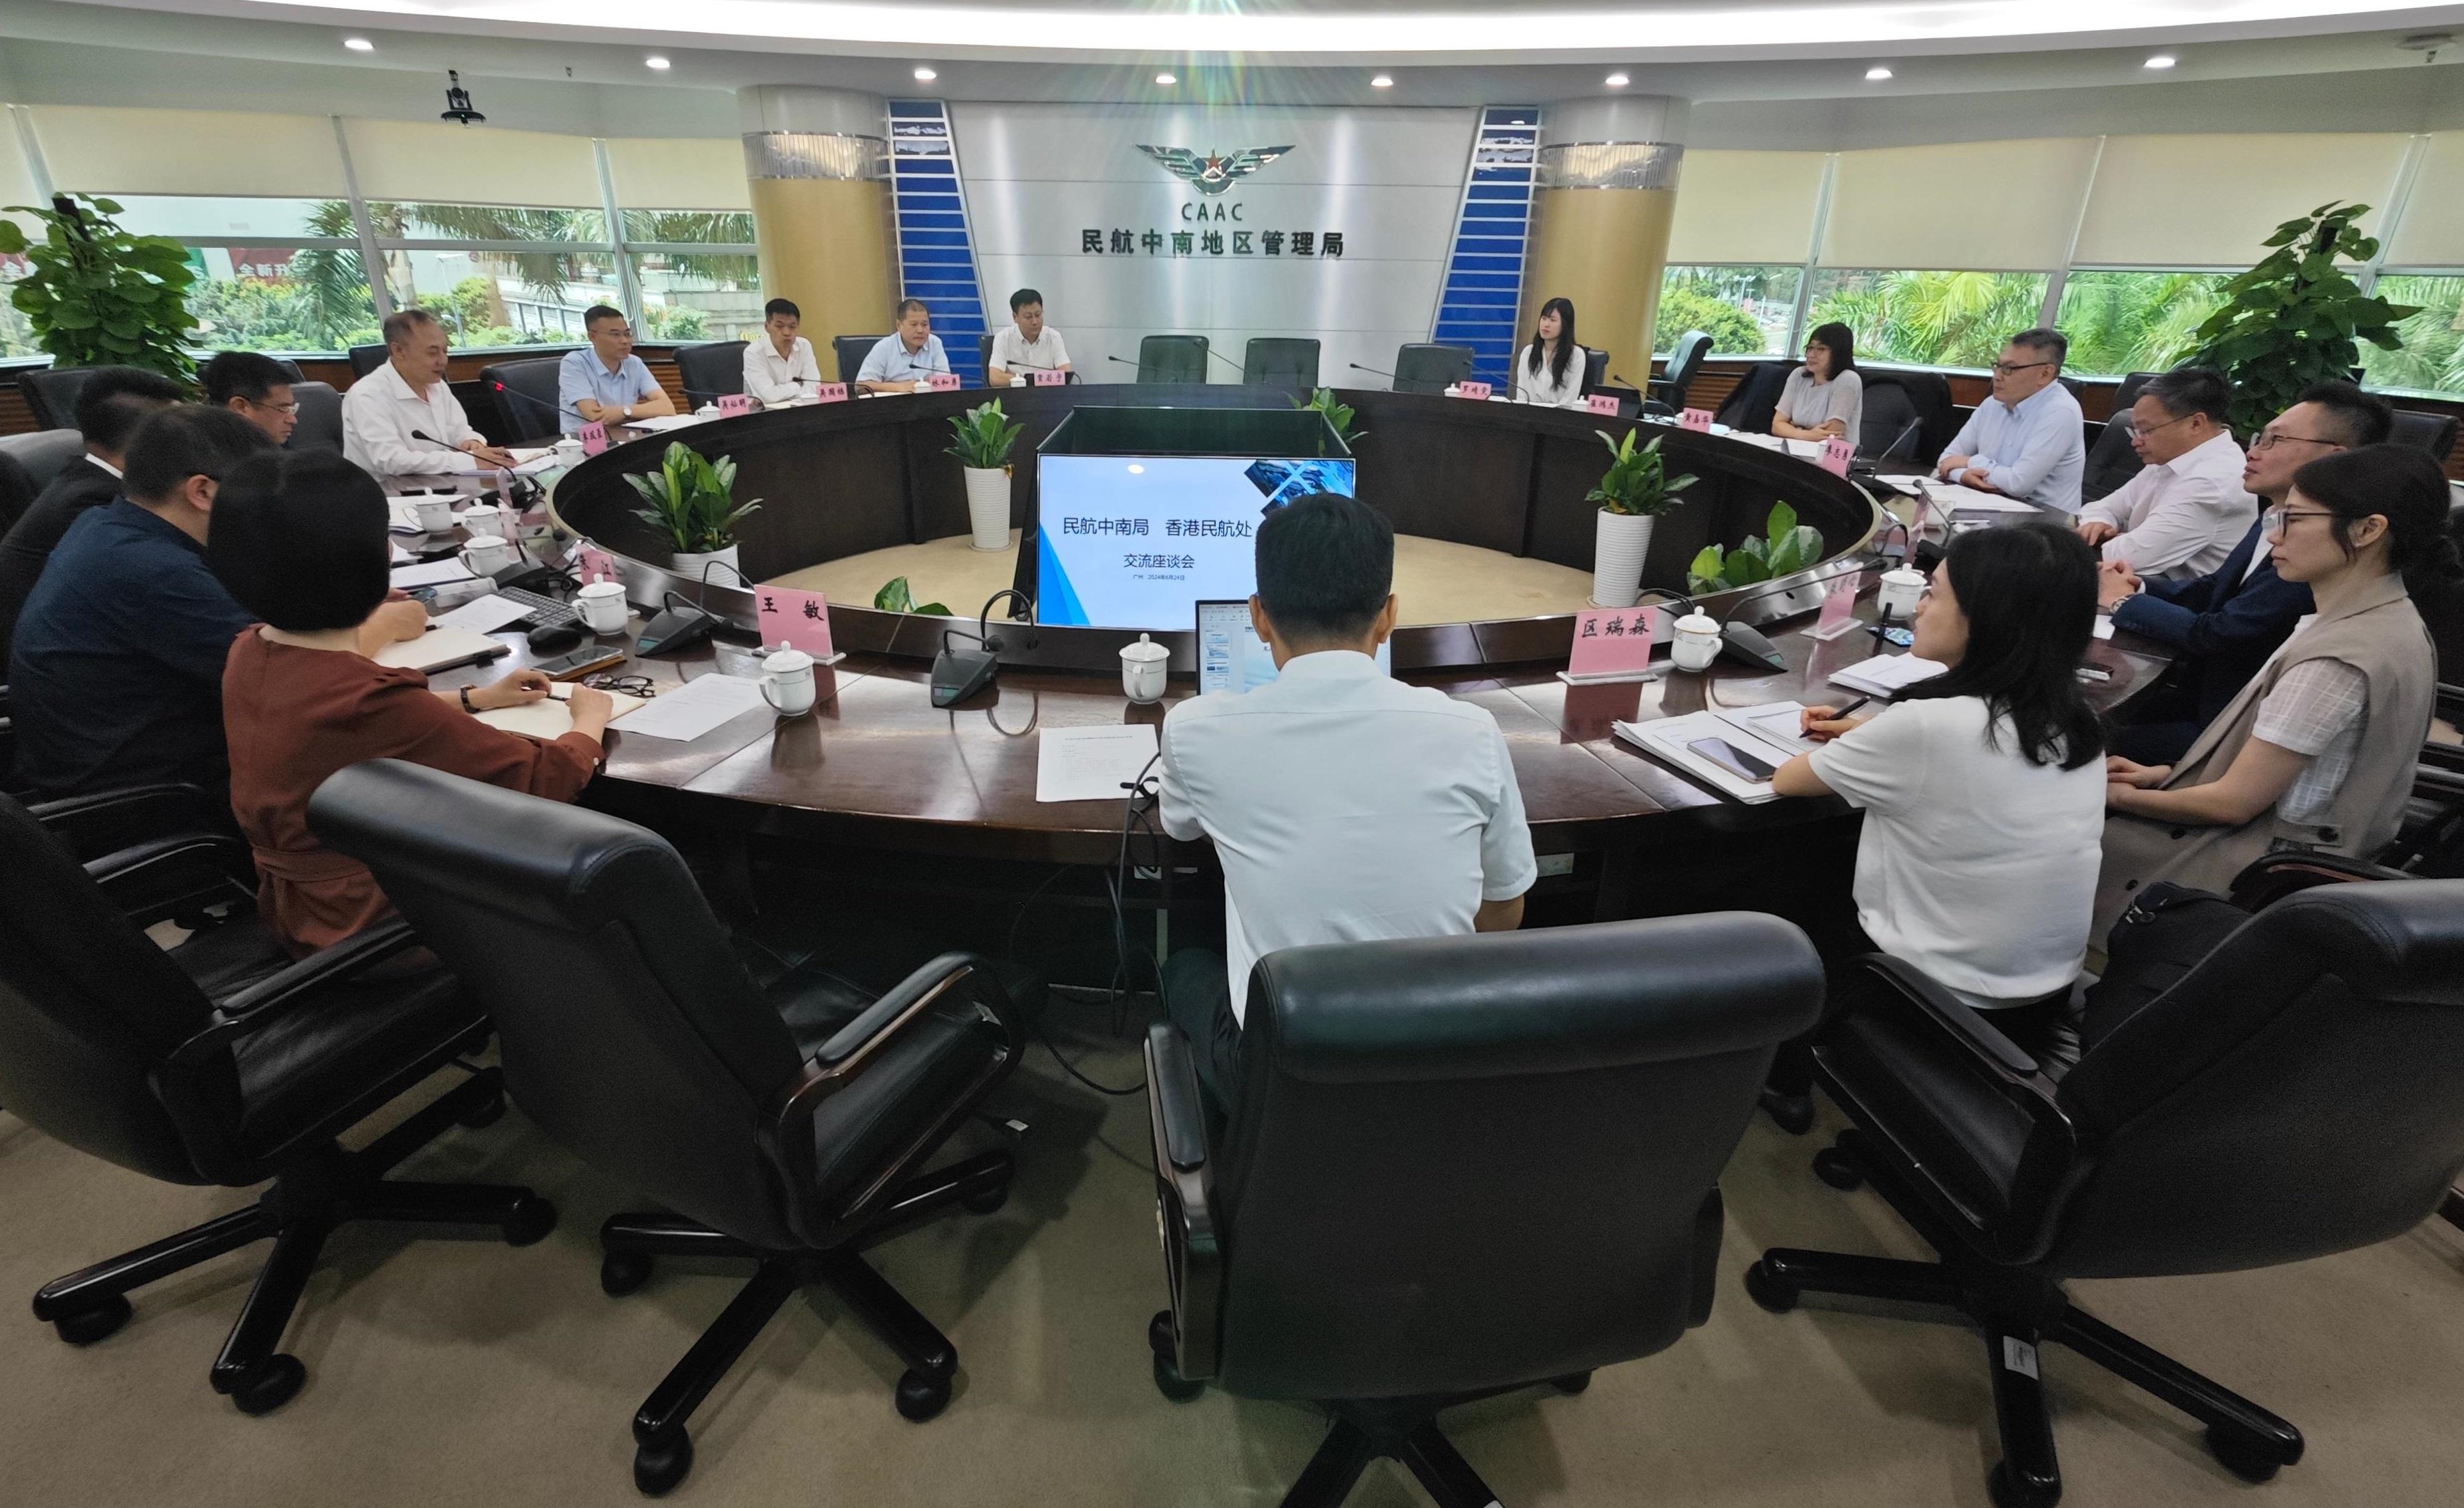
pixel 2318 750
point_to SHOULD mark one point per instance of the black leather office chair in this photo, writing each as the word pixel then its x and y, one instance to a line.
pixel 1456 1167
pixel 525 396
pixel 851 350
pixel 17 491
pixel 1596 368
pixel 2291 1096
pixel 786 1115
pixel 1172 359
pixel 1890 428
pixel 710 371
pixel 321 417
pixel 290 369
pixel 223 1062
pixel 2434 433
pixel 2110 460
pixel 1750 404
pixel 1426 366
pixel 51 394
pixel 1282 361
pixel 1684 363
pixel 44 453
pixel 365 359
pixel 984 356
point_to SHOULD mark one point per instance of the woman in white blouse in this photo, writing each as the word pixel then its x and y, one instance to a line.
pixel 1550 372
pixel 1824 397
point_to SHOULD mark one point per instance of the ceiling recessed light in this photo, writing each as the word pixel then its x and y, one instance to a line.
pixel 358 44
pixel 1166 79
pixel 925 76
pixel 1382 81
pixel 1875 76
pixel 1617 80
pixel 656 64
pixel 2160 62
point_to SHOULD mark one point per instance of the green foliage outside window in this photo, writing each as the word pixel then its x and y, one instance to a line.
pixel 1687 308
pixel 1947 319
pixel 2432 358
pixel 2125 321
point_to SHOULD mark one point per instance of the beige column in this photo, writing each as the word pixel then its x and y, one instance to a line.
pixel 1605 194
pixel 818 165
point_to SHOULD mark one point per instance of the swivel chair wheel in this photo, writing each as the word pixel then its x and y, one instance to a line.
pixel 1770 1292
pixel 2242 1456
pixel 1172 1384
pixel 1792 1113
pixel 922 1396
pixel 987 1203
pixel 1162 1339
pixel 86 1327
pixel 2004 1486
pixel 659 1468
pixel 530 1222
pixel 1572 1383
pixel 487 1112
pixel 267 1385
pixel 1839 1170
pixel 620 1273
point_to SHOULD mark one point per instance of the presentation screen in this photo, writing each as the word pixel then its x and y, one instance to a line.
pixel 1138 541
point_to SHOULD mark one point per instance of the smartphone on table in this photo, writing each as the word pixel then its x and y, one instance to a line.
pixel 1734 759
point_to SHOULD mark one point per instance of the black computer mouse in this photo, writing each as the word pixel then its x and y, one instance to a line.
pixel 555 638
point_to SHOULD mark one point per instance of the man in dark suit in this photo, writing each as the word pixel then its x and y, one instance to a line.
pixel 2223 626
pixel 114 401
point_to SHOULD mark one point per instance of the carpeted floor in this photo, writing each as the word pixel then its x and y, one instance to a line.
pixel 450 1372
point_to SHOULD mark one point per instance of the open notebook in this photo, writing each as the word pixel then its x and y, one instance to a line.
pixel 552 719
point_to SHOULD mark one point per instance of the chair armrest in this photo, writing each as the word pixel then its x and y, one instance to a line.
pixel 105 821
pixel 1964 1025
pixel 1193 1256
pixel 2450 703
pixel 855 1047
pixel 250 1009
pixel 2440 774
pixel 2270 877
pixel 153 880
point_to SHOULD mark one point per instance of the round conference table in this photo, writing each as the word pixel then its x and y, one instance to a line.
pixel 875 766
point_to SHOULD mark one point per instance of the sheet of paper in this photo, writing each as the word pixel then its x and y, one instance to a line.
pixel 668 421
pixel 1886 673
pixel 400 556
pixel 695 707
pixel 1669 738
pixel 531 452
pixel 2103 627
pixel 1774 724
pixel 532 468
pixel 1092 764
pixel 430 574
pixel 439 647
pixel 482 614
pixel 553 719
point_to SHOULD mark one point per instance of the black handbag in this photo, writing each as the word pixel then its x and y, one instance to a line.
pixel 2163 935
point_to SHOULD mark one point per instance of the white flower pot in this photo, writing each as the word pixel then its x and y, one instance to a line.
pixel 690 566
pixel 988 506
pixel 1617 550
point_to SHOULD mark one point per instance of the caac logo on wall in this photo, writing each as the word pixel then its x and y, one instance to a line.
pixel 1212 173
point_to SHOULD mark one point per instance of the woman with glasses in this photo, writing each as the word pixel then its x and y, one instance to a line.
pixel 1824 399
pixel 1983 791
pixel 2316 752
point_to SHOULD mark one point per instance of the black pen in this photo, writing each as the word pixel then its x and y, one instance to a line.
pixel 1851 707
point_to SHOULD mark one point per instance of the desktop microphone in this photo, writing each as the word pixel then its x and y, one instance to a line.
pixel 554 411
pixel 422 435
pixel 960 673
pixel 1228 362
pixel 1371 370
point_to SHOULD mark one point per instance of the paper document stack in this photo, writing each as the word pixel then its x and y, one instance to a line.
pixel 552 719
pixel 1732 751
pixel 1886 674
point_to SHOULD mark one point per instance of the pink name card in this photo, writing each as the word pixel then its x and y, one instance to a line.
pixel 797 619
pixel 594 438
pixel 1837 454
pixel 1698 420
pixel 941 382
pixel 1602 403
pixel 1047 377
pixel 593 563
pixel 1612 641
pixel 829 392
pixel 733 403
pixel 1838 607
pixel 1472 389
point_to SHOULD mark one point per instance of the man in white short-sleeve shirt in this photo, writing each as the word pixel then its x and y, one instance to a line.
pixel 1027 346
pixel 402 418
pixel 779 366
pixel 1344 804
pixel 2186 510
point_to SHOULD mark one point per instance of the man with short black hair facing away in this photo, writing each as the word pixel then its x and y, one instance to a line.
pixel 1344 804
pixel 113 403
pixel 1027 346
pixel 402 418
pixel 607 384
pixel 255 388
pixel 778 366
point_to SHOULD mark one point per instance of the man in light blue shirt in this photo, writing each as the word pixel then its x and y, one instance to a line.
pixel 905 358
pixel 606 383
pixel 2026 441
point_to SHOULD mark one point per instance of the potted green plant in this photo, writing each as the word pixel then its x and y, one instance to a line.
pixel 692 503
pixel 1338 414
pixel 99 296
pixel 1784 546
pixel 2297 318
pixel 1632 493
pixel 985 435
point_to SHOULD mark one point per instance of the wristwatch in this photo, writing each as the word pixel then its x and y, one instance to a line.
pixel 466 703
